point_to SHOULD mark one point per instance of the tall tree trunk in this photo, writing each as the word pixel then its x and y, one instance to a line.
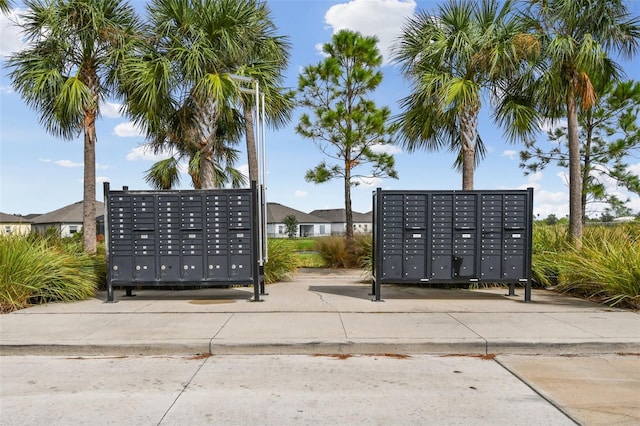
pixel 207 168
pixel 469 127
pixel 251 144
pixel 348 212
pixel 575 177
pixel 89 196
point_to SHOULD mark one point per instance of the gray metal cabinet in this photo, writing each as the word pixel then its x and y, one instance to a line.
pixel 185 237
pixel 452 237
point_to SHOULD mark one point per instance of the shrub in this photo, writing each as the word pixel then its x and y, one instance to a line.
pixel 282 261
pixel 337 253
pixel 36 269
pixel 605 268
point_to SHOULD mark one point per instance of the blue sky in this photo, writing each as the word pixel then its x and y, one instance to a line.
pixel 40 173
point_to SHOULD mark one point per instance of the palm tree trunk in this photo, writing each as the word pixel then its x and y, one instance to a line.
pixel 89 196
pixel 251 144
pixel 469 127
pixel 575 178
pixel 207 168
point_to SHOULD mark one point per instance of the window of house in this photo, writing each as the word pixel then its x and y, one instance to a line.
pixel 322 228
pixel 73 229
pixel 7 229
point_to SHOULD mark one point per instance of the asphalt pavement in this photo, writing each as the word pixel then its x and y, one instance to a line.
pixel 577 361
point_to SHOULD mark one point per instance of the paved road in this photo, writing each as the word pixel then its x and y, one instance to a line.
pixel 381 389
pixel 310 354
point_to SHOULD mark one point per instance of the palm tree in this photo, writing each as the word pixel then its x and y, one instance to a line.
pixel 5 6
pixel 181 87
pixel 69 66
pixel 452 57
pixel 578 37
pixel 165 174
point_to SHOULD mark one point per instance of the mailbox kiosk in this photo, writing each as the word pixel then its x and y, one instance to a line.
pixel 182 237
pixel 452 237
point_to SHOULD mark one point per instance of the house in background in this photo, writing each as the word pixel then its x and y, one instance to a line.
pixel 308 225
pixel 11 224
pixel 362 222
pixel 67 220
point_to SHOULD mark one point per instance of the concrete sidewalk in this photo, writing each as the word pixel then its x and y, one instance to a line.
pixel 322 312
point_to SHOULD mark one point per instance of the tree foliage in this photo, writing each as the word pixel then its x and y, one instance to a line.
pixel 291 225
pixel 610 135
pixel 74 49
pixel 181 87
pixel 453 56
pixel 344 123
pixel 578 39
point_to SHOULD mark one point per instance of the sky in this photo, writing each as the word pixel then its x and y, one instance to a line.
pixel 40 173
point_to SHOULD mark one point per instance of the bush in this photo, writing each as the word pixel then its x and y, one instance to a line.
pixel 606 268
pixel 337 253
pixel 282 261
pixel 36 269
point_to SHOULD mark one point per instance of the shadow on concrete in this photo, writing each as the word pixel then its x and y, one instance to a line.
pixel 202 294
pixel 395 291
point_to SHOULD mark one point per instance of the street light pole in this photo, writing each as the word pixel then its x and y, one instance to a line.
pixel 260 136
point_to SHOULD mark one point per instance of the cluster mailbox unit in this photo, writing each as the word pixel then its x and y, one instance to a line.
pixel 182 238
pixel 452 237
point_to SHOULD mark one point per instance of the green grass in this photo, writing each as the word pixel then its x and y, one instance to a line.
pixel 605 269
pixel 281 263
pixel 36 269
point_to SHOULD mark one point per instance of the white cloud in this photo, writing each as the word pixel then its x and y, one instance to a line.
pixel 300 194
pixel 5 90
pixel 381 18
pixel 11 39
pixel 67 163
pixel 244 169
pixel 127 130
pixel 534 177
pixel 110 110
pixel 510 154
pixel 144 153
pixel 389 149
pixel 548 125
pixel 61 163
pixel 102 179
pixel 546 203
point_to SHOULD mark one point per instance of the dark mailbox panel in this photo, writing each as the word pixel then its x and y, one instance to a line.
pixel 452 236
pixel 196 237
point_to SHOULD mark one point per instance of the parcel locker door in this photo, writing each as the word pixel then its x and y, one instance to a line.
pixel 392 266
pixel 144 268
pixel 121 268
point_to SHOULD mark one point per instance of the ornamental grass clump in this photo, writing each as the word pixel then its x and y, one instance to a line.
pixel 282 261
pixel 40 269
pixel 606 268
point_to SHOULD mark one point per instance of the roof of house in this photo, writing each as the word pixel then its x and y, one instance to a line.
pixel 9 218
pixel 68 214
pixel 339 216
pixel 277 212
